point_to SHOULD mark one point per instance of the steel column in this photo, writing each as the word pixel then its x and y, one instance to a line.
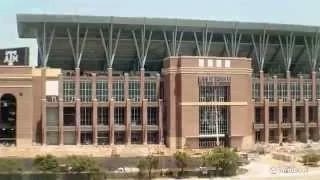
pixel 260 49
pixel 44 50
pixel 174 49
pixel 287 50
pixel 232 43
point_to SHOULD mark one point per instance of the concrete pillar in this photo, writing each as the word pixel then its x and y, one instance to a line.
pixel 126 86
pixel 266 121
pixel 142 80
pixel 145 121
pixel 44 121
pixel 61 106
pixel 314 86
pixel 111 121
pixel 158 86
pixel 318 117
pixel 78 105
pixel 280 119
pixel 301 88
pixel 109 84
pixel 306 118
pixel 275 86
pixel 43 107
pixel 128 121
pixel 61 125
pixel 293 118
pixel 288 79
pixel 160 121
pixel 95 121
pixel 261 76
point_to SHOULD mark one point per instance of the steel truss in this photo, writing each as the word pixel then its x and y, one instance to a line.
pixel 44 50
pixel 174 49
pixel 260 48
pixel 312 48
pixel 204 49
pixel 77 51
pixel 142 47
pixel 287 50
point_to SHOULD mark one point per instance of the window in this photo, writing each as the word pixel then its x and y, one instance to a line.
pixel 68 90
pixel 209 93
pixel 134 90
pixel 318 89
pixel 103 138
pixel 307 89
pixel 102 90
pixel 227 63
pixel 295 90
pixel 119 137
pixel 282 91
pixel 69 118
pixel 136 137
pixel 209 115
pixel 152 137
pixel 118 90
pixel 103 116
pixel 269 90
pixel 152 115
pixel 86 116
pixel 218 63
pixel 119 116
pixel 257 115
pixel 150 91
pixel 256 89
pixel 85 90
pixel 86 138
pixel 135 116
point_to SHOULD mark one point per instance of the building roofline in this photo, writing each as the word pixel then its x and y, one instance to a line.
pixel 25 19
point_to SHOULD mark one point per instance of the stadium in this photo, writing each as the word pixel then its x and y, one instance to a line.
pixel 173 82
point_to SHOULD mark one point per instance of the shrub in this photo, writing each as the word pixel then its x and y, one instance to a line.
pixel 81 164
pixel 311 158
pixel 181 159
pixel 10 166
pixel 48 163
pixel 147 164
pixel 224 160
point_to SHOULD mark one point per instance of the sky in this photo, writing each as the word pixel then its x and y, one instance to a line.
pixel 303 12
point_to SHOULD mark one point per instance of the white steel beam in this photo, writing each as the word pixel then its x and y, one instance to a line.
pixel 312 48
pixel 261 49
pixel 142 48
pixel 44 50
pixel 287 49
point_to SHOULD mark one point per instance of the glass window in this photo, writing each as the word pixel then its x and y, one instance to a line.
pixel 134 90
pixel 118 90
pixel 150 91
pixel 102 90
pixel 86 116
pixel 103 116
pixel 135 116
pixel 85 90
pixel 152 115
pixel 68 90
pixel 119 118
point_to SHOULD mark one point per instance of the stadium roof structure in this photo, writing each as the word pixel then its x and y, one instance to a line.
pixel 130 43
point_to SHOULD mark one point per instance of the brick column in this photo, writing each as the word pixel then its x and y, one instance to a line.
pixel 43 107
pixel 275 88
pixel 301 87
pixel 266 121
pixel 126 86
pixel 158 86
pixel 280 116
pixel 78 105
pixel 61 125
pixel 128 121
pixel 314 86
pixel 318 117
pixel 61 105
pixel 306 118
pixel 288 79
pixel 94 110
pixel 293 118
pixel 111 121
pixel 160 121
pixel 261 76
pixel 44 121
pixel 142 79
pixel 109 84
pixel 144 121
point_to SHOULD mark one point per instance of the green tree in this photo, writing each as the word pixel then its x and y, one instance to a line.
pixel 181 160
pixel 224 160
pixel 81 164
pixel 48 163
pixel 148 163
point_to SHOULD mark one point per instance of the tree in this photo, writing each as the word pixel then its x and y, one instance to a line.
pixel 181 160
pixel 224 160
pixel 81 164
pixel 148 163
pixel 48 163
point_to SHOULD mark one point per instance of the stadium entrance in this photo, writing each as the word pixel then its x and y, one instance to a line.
pixel 8 119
